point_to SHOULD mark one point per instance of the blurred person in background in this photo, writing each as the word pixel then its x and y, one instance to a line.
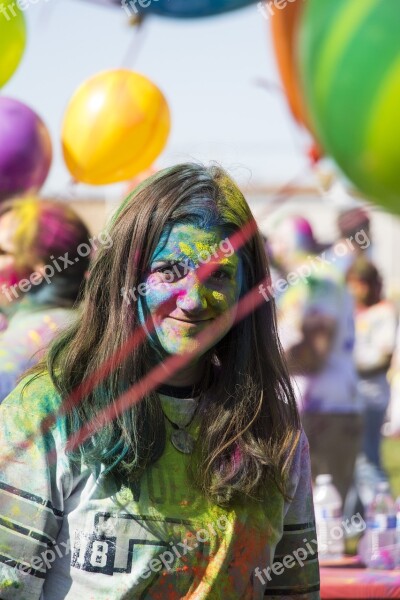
pixel 316 323
pixel 376 324
pixel 41 274
pixel 354 227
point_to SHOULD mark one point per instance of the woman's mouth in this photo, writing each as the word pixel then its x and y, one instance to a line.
pixel 194 322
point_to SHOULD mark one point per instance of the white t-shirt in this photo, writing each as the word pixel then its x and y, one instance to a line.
pixel 376 328
pixel 68 534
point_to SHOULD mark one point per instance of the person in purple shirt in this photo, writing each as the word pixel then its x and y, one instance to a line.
pixel 316 324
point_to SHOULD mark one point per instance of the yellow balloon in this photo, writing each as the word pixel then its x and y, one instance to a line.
pixel 115 126
pixel 12 39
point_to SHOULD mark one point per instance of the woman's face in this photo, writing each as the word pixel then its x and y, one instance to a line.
pixel 359 289
pixel 194 305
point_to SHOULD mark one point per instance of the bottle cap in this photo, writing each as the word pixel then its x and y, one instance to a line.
pixel 323 479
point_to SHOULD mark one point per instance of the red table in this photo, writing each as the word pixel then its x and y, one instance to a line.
pixel 349 583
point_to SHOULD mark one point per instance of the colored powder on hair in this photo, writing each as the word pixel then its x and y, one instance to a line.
pixel 27 214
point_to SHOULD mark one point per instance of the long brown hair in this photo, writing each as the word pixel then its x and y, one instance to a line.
pixel 250 427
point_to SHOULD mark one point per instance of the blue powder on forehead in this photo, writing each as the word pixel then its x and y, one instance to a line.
pixel 199 211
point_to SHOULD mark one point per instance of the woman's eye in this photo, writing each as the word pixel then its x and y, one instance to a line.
pixel 220 275
pixel 167 272
pixel 165 268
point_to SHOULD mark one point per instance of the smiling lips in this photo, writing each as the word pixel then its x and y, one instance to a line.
pixel 191 321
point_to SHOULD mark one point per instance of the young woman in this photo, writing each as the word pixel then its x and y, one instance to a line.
pixel 376 325
pixel 315 315
pixel 196 487
pixel 37 288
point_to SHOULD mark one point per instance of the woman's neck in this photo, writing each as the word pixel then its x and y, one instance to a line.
pixel 188 376
pixel 363 305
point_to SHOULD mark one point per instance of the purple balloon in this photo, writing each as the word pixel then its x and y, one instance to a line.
pixel 25 149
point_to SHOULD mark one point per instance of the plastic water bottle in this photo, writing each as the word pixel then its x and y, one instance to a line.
pixel 328 518
pixel 377 548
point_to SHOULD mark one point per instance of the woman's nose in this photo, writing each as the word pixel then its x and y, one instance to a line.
pixel 192 295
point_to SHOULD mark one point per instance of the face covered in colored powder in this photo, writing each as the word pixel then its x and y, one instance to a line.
pixel 197 304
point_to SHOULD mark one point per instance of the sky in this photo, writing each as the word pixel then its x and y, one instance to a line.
pixel 209 70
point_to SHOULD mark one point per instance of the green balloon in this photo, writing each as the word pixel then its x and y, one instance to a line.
pixel 12 39
pixel 349 59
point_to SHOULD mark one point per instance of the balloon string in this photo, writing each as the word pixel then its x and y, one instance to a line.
pixel 272 87
pixel 71 188
pixel 269 85
pixel 136 44
pixel 283 195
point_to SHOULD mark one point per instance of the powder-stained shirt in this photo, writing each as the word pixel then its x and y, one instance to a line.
pixel 68 533
pixel 24 340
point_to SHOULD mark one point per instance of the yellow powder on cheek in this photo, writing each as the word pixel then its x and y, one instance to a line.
pixel 218 296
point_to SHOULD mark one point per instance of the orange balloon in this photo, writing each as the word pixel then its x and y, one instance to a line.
pixel 284 24
pixel 115 126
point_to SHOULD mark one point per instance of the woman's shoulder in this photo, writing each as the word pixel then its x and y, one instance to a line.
pixel 38 386
pixel 299 461
pixel 385 309
pixel 302 448
pixel 34 400
pixel 387 306
pixel 298 509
